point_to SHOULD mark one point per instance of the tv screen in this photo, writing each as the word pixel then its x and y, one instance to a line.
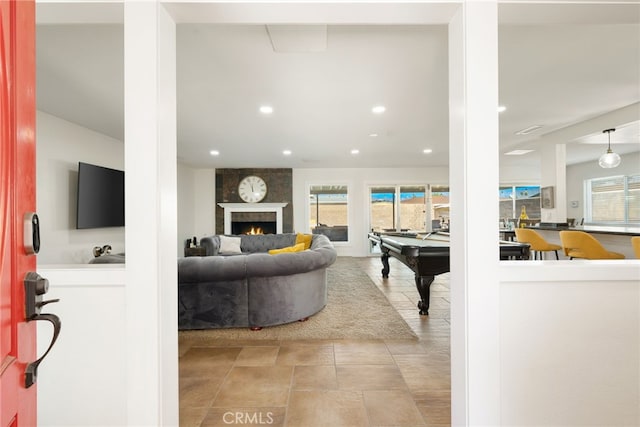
pixel 100 197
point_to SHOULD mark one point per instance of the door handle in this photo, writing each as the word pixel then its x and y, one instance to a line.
pixel 35 287
pixel 31 373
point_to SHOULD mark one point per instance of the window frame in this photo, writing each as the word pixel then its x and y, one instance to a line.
pixel 515 212
pixel 588 198
pixel 397 203
pixel 347 186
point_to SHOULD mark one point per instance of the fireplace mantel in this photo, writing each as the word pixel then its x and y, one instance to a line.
pixel 229 208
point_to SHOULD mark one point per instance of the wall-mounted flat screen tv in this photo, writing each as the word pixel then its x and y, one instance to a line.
pixel 100 197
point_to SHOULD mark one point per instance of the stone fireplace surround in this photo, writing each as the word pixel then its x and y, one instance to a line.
pixel 279 181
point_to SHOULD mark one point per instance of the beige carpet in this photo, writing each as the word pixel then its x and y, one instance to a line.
pixel 356 309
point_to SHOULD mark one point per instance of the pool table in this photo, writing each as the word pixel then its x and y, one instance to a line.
pixel 428 255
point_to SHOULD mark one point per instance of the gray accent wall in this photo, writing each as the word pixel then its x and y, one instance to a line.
pixel 279 190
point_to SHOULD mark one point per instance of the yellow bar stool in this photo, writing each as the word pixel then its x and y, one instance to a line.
pixel 579 244
pixel 536 242
pixel 635 242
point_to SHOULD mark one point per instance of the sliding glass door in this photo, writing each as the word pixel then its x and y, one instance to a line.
pixel 408 208
pixel 439 205
pixel 413 208
pixel 398 208
pixel 382 209
pixel 329 211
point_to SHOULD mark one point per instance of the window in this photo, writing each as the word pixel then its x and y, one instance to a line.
pixel 329 211
pixel 382 209
pixel 398 208
pixel 439 206
pixel 412 208
pixel 613 200
pixel 514 198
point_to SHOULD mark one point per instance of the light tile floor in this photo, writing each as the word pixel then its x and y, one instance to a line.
pixel 328 383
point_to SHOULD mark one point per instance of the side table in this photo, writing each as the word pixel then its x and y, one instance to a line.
pixel 195 251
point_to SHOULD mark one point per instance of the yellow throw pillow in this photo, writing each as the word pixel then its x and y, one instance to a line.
pixel 304 238
pixel 295 248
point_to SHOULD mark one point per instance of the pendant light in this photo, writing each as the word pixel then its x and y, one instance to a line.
pixel 609 159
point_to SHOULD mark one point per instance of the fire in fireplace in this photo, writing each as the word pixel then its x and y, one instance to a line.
pixel 253 227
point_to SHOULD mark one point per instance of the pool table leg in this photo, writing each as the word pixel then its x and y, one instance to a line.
pixel 423 283
pixel 385 265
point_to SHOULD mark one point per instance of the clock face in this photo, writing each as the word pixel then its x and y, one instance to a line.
pixel 252 189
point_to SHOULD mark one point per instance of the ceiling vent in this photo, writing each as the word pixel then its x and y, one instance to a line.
pixel 517 152
pixel 527 131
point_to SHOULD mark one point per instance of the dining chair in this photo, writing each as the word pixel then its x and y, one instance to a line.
pixel 536 242
pixel 635 242
pixel 580 244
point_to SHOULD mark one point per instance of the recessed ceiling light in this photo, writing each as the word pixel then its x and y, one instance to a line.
pixel 528 130
pixel 427 151
pixel 373 135
pixel 214 152
pixel 501 108
pixel 287 152
pixel 355 151
pixel 517 152
pixel 379 109
pixel 266 109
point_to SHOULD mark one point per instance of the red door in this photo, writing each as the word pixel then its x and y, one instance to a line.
pixel 17 197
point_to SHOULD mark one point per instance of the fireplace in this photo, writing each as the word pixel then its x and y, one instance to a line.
pixel 253 227
pixel 239 215
pixel 253 223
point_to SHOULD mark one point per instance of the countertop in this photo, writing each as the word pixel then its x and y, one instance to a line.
pixel 601 229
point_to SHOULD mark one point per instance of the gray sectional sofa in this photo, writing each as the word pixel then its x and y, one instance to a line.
pixel 253 288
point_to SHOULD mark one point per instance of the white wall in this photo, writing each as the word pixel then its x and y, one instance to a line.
pixel 578 173
pixel 520 175
pixel 196 203
pixel 186 205
pixel 82 380
pixel 204 208
pixel 358 181
pixel 150 131
pixel 570 343
pixel 60 146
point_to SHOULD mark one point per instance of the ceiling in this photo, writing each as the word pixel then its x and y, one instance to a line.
pixel 558 67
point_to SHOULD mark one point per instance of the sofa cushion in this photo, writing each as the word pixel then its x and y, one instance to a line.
pixel 255 243
pixel 265 265
pixel 212 268
pixel 295 248
pixel 304 238
pixel 261 243
pixel 230 245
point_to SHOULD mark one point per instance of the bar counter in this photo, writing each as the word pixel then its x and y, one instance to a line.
pixel 616 239
pixel 599 229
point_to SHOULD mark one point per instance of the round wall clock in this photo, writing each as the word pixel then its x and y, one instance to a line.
pixel 252 189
